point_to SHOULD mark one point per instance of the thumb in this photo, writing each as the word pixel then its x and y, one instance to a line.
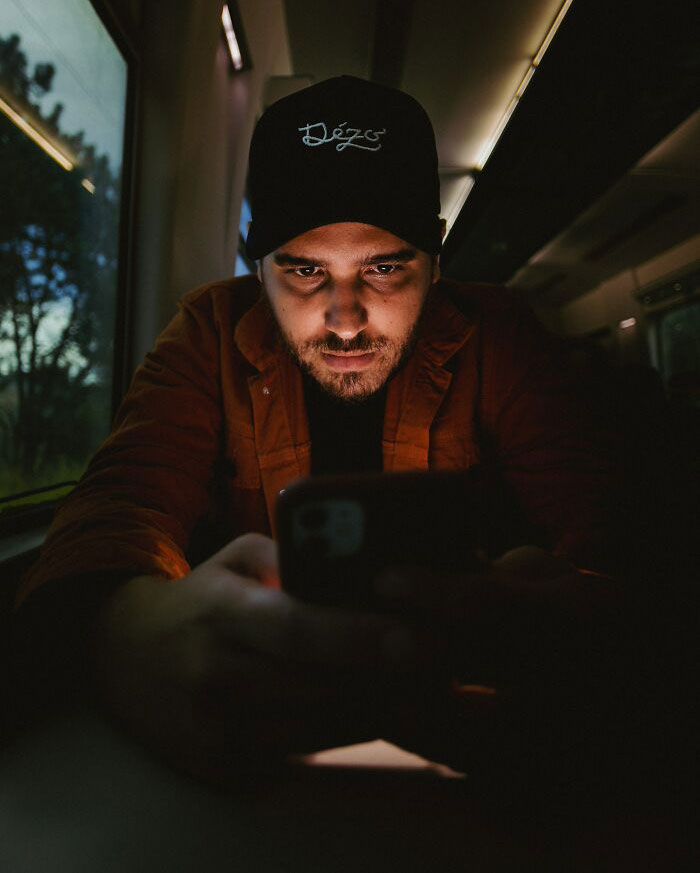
pixel 252 555
pixel 530 562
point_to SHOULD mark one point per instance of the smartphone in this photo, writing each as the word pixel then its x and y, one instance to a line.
pixel 336 534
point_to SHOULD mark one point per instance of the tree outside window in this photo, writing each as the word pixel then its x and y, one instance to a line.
pixel 59 234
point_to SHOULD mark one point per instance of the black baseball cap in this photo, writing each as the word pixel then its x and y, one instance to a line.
pixel 344 149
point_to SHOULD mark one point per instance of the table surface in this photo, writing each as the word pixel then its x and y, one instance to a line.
pixel 78 796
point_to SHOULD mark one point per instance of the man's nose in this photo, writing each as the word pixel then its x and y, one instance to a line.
pixel 346 314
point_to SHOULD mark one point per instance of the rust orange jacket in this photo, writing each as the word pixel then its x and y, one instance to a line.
pixel 214 425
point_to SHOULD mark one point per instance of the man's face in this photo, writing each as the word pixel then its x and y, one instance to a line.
pixel 347 298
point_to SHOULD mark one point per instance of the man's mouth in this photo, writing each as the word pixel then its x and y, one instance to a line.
pixel 348 360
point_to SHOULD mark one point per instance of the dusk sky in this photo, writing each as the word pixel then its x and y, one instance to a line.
pixel 90 78
pixel 90 81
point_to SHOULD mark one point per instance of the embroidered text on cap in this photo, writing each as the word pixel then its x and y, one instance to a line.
pixel 343 137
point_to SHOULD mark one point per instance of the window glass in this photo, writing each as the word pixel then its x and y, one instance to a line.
pixel 245 219
pixel 242 268
pixel 243 265
pixel 679 332
pixel 62 100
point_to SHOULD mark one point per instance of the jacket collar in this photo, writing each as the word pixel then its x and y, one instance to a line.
pixel 413 397
pixel 419 388
pixel 256 336
pixel 445 327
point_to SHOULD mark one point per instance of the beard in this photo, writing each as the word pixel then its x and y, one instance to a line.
pixel 352 386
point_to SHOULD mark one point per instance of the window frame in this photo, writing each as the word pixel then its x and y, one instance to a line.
pixel 660 315
pixel 29 518
pixel 241 250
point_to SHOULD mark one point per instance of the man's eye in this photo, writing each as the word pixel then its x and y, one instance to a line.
pixel 386 269
pixel 306 272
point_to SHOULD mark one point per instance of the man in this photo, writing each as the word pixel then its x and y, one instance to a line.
pixel 347 353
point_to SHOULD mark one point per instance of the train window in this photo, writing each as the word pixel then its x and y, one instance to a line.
pixel 242 268
pixel 63 95
pixel 244 220
pixel 679 340
pixel 244 265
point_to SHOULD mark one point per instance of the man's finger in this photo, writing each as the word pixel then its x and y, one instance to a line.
pixel 275 623
pixel 267 684
pixel 252 555
pixel 434 595
pixel 524 580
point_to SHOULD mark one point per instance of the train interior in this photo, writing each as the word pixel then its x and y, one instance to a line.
pixel 568 138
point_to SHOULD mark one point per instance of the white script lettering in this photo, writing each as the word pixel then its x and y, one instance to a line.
pixel 343 136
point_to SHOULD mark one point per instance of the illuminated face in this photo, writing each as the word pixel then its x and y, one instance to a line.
pixel 347 298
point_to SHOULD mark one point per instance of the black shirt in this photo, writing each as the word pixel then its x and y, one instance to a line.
pixel 346 437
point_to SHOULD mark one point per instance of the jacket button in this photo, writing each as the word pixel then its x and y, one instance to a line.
pixel 266 390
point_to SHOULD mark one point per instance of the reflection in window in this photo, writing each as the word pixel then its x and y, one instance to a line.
pixel 679 332
pixel 244 265
pixel 242 268
pixel 245 219
pixel 62 102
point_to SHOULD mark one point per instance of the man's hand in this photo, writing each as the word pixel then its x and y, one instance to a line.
pixel 524 616
pixel 536 652
pixel 220 668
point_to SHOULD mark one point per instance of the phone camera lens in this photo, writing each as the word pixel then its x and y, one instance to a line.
pixel 314 517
